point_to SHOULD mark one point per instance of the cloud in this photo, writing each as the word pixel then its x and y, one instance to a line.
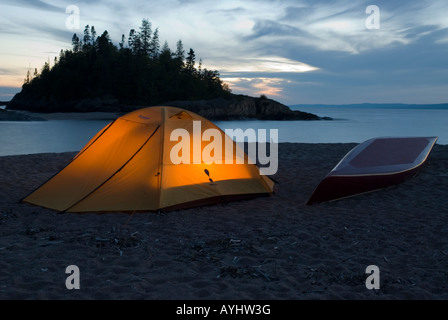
pixel 340 25
pixel 7 71
pixel 34 4
pixel 265 64
pixel 48 31
pixel 268 27
pixel 269 86
pixel 229 12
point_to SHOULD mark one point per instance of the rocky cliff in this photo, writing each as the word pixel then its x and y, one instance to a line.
pixel 240 107
pixel 234 107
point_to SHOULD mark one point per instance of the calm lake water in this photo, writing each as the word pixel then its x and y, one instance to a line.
pixel 352 125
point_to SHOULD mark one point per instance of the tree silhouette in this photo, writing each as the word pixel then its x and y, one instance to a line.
pixel 92 35
pixel 76 44
pixel 154 46
pixel 190 61
pixel 87 40
pixel 27 78
pixel 141 73
pixel 145 37
pixel 123 40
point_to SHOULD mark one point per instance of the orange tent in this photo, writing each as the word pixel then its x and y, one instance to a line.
pixel 138 162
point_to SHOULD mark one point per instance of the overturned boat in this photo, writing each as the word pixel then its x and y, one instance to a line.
pixel 374 164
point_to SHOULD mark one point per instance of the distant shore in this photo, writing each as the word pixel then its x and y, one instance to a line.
pixel 37 116
pixel 266 248
pixel 77 115
pixel 440 106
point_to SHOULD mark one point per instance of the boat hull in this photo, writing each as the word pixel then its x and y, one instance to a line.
pixel 373 165
pixel 338 187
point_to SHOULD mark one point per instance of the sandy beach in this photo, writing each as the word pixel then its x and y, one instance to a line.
pixel 274 248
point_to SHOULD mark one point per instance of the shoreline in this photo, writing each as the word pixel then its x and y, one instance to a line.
pixel 74 115
pixel 267 248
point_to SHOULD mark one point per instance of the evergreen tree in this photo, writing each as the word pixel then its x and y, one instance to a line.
pixel 154 46
pixel 75 43
pixel 145 37
pixel 180 52
pixel 200 66
pixel 131 39
pixel 137 49
pixel 165 49
pixel 87 37
pixel 134 42
pixel 27 78
pixel 104 42
pixel 190 61
pixel 121 44
pixel 45 69
pixel 93 35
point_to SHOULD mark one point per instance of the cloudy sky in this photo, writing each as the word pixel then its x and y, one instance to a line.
pixel 296 52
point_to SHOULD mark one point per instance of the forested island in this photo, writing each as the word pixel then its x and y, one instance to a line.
pixel 96 75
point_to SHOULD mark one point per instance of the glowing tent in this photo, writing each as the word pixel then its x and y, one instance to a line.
pixel 142 162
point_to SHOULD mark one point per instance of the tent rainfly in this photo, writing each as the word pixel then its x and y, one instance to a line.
pixel 141 162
